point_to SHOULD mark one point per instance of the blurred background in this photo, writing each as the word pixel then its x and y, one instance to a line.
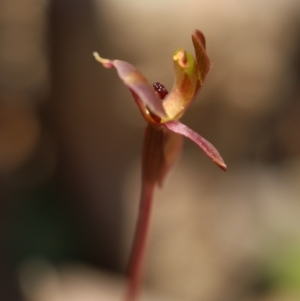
pixel 71 138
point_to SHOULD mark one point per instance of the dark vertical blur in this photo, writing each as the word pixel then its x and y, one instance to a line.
pixel 23 87
pixel 89 168
pixel 61 149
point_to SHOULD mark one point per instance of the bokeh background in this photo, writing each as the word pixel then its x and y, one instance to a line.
pixel 71 137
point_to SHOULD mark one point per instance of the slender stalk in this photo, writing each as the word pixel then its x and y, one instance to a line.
pixel 152 166
pixel 140 242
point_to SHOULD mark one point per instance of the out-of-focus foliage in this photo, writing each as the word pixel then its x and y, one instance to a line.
pixel 283 269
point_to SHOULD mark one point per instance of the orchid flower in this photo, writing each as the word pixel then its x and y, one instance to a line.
pixel 164 134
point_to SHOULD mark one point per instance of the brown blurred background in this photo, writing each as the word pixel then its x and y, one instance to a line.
pixel 71 137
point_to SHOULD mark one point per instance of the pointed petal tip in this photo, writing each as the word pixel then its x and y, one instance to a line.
pixel 105 62
pixel 221 164
pixel 202 143
pixel 197 34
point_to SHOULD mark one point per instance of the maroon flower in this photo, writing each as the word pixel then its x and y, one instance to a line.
pixel 164 133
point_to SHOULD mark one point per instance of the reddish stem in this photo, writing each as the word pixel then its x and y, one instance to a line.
pixel 152 168
pixel 140 242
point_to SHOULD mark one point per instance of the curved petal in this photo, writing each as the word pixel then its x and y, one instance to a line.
pixel 161 151
pixel 189 77
pixel 172 147
pixel 206 146
pixel 153 155
pixel 185 85
pixel 138 84
pixel 203 61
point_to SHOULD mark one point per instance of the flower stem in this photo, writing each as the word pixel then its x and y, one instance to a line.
pixel 152 167
pixel 140 242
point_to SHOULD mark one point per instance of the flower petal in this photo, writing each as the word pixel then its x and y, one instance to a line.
pixel 153 155
pixel 138 85
pixel 172 148
pixel 203 61
pixel 206 146
pixel 189 77
pixel 161 150
pixel 185 85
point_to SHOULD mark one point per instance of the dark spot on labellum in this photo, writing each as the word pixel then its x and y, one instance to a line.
pixel 160 90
